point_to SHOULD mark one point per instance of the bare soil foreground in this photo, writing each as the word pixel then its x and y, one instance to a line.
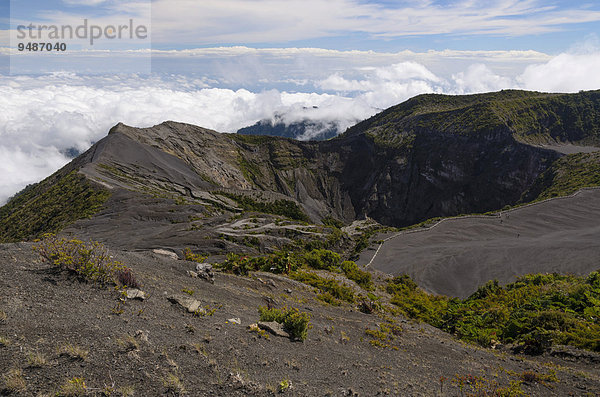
pixel 458 255
pixel 57 333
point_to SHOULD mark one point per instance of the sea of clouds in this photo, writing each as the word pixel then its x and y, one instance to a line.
pixel 46 115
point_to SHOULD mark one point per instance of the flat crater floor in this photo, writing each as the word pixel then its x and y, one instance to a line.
pixel 458 255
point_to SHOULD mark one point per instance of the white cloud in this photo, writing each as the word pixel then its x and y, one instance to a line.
pixel 565 73
pixel 41 116
pixel 382 87
pixel 20 167
pixel 479 78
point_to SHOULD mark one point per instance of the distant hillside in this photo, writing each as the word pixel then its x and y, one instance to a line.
pixel 305 130
pixel 531 117
pixel 566 176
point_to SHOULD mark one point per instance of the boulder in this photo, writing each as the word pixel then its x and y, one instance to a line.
pixel 274 328
pixel 133 293
pixel 166 253
pixel 188 303
pixel 205 271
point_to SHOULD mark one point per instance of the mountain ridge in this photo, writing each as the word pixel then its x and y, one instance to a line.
pixel 402 166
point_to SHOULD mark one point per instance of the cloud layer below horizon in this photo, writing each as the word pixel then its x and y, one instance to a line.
pixel 44 116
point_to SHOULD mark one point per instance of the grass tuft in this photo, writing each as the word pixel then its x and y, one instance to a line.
pixel 13 381
pixel 36 360
pixel 74 352
pixel 75 387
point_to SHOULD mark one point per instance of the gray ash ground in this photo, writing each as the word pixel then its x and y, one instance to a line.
pixel 139 346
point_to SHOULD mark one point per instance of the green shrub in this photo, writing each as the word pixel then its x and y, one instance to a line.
pixel 328 298
pixel 536 311
pixel 322 259
pixel 188 255
pixel 294 322
pixel 414 302
pixel 236 264
pixel 279 262
pixel 326 286
pixel 89 261
pixel 360 277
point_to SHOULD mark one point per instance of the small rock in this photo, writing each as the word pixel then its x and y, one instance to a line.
pixel 274 328
pixel 166 253
pixel 192 274
pixel 236 379
pixel 190 304
pixel 203 267
pixel 205 271
pixel 142 335
pixel 133 293
pixel 271 283
pixel 289 291
pixel 235 321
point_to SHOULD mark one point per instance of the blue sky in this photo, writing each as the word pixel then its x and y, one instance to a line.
pixel 386 26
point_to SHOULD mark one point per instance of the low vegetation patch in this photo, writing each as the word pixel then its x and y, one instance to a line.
pixel 415 303
pixel 90 262
pixel 360 277
pixel 74 387
pixel 49 206
pixel 286 208
pixel 322 259
pixel 188 255
pixel 280 262
pixel 566 176
pixel 534 312
pixel 294 322
pixel 36 360
pixel 289 262
pixel 385 335
pixel 74 352
pixel 173 384
pixel 328 287
pixel 13 381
